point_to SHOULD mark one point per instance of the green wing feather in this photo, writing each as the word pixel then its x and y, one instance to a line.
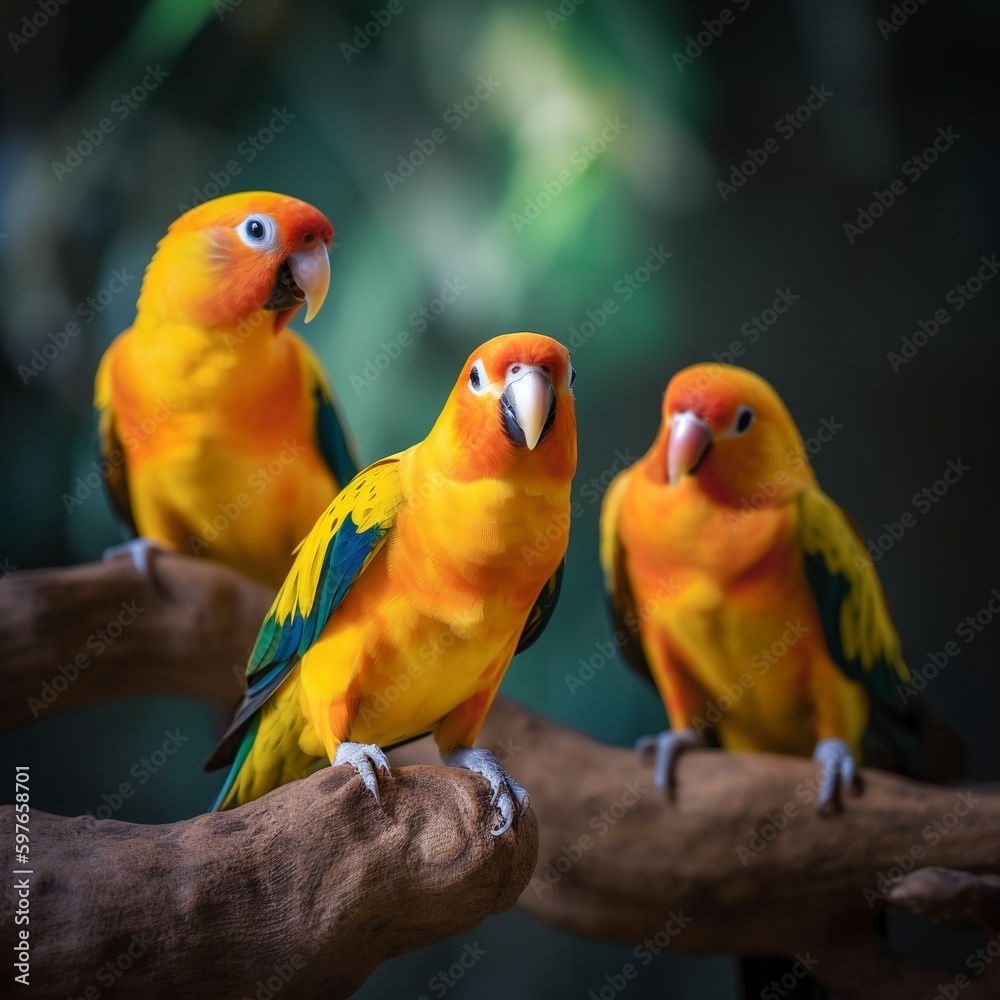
pixel 903 735
pixel 333 555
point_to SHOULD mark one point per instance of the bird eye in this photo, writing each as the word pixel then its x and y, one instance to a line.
pixel 744 419
pixel 477 377
pixel 258 231
pixel 572 376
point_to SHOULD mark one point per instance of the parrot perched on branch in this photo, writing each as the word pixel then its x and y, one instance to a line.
pixel 746 595
pixel 217 425
pixel 416 587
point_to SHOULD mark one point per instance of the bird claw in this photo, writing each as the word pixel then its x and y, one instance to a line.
pixel 140 549
pixel 506 791
pixel 667 745
pixel 839 770
pixel 367 759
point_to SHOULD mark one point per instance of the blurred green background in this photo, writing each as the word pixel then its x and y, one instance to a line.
pixel 538 219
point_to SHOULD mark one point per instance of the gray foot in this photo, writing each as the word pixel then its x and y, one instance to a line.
pixel 839 770
pixel 140 549
pixel 366 759
pixel 668 745
pixel 506 791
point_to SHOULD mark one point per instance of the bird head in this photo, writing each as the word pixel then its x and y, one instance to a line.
pixel 513 406
pixel 726 429
pixel 250 258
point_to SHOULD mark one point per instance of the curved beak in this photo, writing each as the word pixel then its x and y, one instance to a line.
pixel 690 441
pixel 527 403
pixel 311 272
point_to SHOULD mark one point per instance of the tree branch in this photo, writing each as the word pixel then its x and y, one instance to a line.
pixel 738 862
pixel 314 884
pixel 97 632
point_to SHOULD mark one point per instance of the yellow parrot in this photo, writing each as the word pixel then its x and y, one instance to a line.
pixel 746 595
pixel 414 590
pixel 217 424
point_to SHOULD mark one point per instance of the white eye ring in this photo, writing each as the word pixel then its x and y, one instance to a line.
pixel 478 382
pixel 259 232
pixel 572 376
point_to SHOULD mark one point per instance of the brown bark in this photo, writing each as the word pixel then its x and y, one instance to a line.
pixel 620 861
pixel 315 884
pixel 617 859
pixel 186 629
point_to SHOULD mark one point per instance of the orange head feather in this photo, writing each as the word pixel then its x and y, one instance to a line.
pixel 512 405
pixel 728 428
pixel 228 260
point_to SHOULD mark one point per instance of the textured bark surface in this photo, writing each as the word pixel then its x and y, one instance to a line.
pixel 227 899
pixel 311 888
pixel 619 861
pixel 185 630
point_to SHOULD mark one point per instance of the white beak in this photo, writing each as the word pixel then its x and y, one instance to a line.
pixel 311 272
pixel 529 392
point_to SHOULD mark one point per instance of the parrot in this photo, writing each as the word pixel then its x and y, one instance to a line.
pixel 416 587
pixel 745 594
pixel 217 426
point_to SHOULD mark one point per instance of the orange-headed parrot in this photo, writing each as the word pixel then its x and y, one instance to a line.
pixel 217 424
pixel 746 595
pixel 418 584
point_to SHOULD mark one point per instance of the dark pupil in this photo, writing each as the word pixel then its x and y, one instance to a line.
pixel 744 422
pixel 572 374
pixel 256 229
pixel 474 378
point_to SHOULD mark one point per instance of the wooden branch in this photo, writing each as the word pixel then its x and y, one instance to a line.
pixel 311 887
pixel 738 862
pixel 93 633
